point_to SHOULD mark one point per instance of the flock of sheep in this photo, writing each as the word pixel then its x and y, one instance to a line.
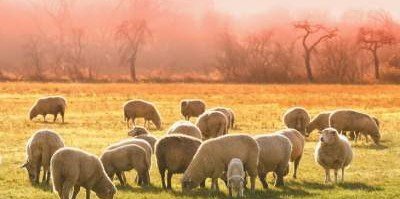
pixel 199 151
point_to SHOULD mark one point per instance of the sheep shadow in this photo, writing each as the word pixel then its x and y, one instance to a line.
pixel 138 189
pixel 359 186
pixel 314 185
pixel 199 193
pixel 43 186
pixel 371 146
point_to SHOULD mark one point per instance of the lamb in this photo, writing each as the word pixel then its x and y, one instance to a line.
pixel 236 177
pixel 228 114
pixel 350 120
pixel 213 156
pixel 275 152
pixel 333 151
pixel 319 122
pixel 174 154
pixel 141 109
pixel 212 124
pixel 142 133
pixel 297 140
pixel 73 168
pixel 126 158
pixel 53 105
pixel 39 150
pixel 186 128
pixel 297 118
pixel 192 108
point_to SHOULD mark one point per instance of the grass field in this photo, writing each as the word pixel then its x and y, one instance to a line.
pixel 94 120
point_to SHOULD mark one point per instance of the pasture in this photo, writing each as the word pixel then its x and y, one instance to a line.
pixel 94 120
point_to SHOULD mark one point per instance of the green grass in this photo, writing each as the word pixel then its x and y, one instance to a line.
pixel 94 120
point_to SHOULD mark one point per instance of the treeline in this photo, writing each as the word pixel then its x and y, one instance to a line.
pixel 190 41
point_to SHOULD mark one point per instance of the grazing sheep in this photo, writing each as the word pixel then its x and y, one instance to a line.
pixel 236 177
pixel 148 138
pixel 73 168
pixel 39 149
pixel 126 158
pixel 353 121
pixel 228 114
pixel 53 105
pixel 141 109
pixel 174 154
pixel 333 151
pixel 140 142
pixel 213 156
pixel 357 135
pixel 297 118
pixel 319 122
pixel 275 151
pixel 297 140
pixel 212 124
pixel 143 134
pixel 185 128
pixel 192 108
pixel 138 130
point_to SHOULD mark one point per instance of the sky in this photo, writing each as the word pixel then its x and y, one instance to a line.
pixel 332 7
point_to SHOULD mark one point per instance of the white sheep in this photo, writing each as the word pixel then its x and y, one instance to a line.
pixel 53 105
pixel 297 140
pixel 185 128
pixel 73 168
pixel 333 151
pixel 212 124
pixel 297 118
pixel 39 150
pixel 235 177
pixel 230 116
pixel 141 109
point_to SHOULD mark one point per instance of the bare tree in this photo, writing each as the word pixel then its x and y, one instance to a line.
pixel 34 55
pixel 372 40
pixel 322 33
pixel 76 54
pixel 132 35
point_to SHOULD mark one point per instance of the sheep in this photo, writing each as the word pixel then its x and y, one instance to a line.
pixel 235 177
pixel 192 108
pixel 142 133
pixel 228 114
pixel 319 122
pixel 140 142
pixel 73 168
pixel 141 109
pixel 174 154
pixel 333 151
pixel 126 158
pixel 350 120
pixel 39 150
pixel 213 156
pixel 275 152
pixel 53 105
pixel 297 140
pixel 186 128
pixel 357 135
pixel 297 118
pixel 212 124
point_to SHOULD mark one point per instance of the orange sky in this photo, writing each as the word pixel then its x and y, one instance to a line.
pixel 333 7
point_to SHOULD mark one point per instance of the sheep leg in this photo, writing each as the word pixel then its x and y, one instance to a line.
pixel 55 117
pixel 169 177
pixel 44 117
pixel 279 176
pixel 62 116
pixel 37 173
pixel 144 175
pixel 48 177
pixel 342 174
pixel 262 176
pixel 162 174
pixel 296 166
pixel 335 172
pixel 203 184
pixel 87 193
pixel 230 191
pixel 44 175
pixel 121 179
pixel 66 189
pixel 214 184
pixel 366 138
pixel 76 191
pixel 327 176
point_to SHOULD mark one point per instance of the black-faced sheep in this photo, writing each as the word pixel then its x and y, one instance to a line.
pixel 53 105
pixel 125 158
pixel 141 109
pixel 353 121
pixel 73 168
pixel 235 177
pixel 185 128
pixel 39 150
pixel 213 156
pixel 297 140
pixel 275 151
pixel 228 114
pixel 212 124
pixel 192 108
pixel 174 154
pixel 297 118
pixel 333 151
